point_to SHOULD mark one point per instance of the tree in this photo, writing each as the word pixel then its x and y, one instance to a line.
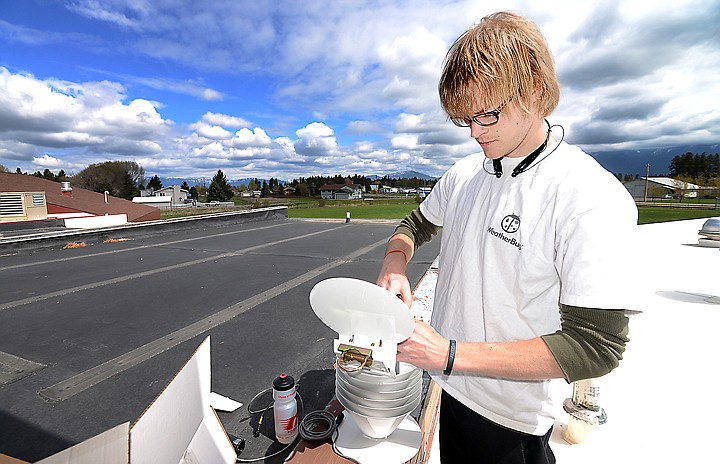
pixel 193 192
pixel 699 168
pixel 154 183
pixel 273 185
pixel 128 189
pixel 4 169
pixel 185 186
pixel 113 177
pixel 219 189
pixel 201 191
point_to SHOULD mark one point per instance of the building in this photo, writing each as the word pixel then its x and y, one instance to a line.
pixel 30 198
pixel 663 187
pixel 166 197
pixel 341 192
pixel 422 192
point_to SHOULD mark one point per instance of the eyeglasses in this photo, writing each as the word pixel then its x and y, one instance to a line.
pixel 481 119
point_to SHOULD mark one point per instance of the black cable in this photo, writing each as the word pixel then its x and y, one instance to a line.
pixel 317 426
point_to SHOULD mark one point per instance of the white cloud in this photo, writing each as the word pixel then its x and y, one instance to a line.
pixel 89 116
pixel 404 142
pixel 213 132
pixel 224 120
pixel 47 161
pixel 251 138
pixel 338 87
pixel 316 140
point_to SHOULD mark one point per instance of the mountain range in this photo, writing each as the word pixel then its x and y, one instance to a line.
pixel 192 181
pixel 636 161
pixel 616 161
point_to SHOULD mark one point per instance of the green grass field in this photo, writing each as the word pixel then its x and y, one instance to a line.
pixel 646 215
pixel 650 215
pixel 375 211
pixel 398 208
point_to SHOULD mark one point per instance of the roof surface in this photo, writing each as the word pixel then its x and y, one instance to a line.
pixel 659 401
pixel 337 186
pixel 672 183
pixel 81 199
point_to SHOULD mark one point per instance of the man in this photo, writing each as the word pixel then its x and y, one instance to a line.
pixel 533 231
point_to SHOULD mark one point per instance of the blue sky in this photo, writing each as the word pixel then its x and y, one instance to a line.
pixel 287 89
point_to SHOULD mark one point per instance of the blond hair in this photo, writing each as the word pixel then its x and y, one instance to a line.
pixel 503 57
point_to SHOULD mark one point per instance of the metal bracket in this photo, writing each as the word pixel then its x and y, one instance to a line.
pixel 349 353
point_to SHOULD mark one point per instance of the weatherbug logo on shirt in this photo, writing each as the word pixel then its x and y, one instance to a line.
pixel 509 224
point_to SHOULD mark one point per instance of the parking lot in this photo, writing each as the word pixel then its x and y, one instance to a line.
pixel 92 334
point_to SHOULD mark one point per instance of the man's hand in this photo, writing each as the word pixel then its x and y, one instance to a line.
pixel 425 348
pixel 392 277
pixel 392 274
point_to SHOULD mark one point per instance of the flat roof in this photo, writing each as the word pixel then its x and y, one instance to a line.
pixel 660 401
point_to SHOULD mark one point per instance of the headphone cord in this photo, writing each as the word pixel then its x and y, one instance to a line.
pixel 525 164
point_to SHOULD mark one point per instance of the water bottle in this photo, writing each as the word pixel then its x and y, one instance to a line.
pixel 285 409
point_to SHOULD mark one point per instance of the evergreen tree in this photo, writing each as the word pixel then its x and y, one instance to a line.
pixel 219 189
pixel 128 190
pixel 154 183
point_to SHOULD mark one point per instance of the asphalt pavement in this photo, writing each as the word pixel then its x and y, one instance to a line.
pixel 89 336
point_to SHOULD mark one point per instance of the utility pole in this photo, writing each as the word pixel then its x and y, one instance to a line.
pixel 647 173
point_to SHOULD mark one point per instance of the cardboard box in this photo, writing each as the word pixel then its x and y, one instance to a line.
pixel 178 427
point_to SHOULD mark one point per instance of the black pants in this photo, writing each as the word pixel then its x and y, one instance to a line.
pixel 467 437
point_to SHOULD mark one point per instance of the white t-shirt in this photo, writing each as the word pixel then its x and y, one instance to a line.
pixel 512 249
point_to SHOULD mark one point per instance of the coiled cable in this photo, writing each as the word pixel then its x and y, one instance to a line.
pixel 317 426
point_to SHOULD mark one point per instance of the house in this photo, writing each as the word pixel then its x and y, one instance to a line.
pixel 179 196
pixel 161 202
pixel 422 192
pixel 662 187
pixel 165 198
pixel 341 192
pixel 22 200
pixel 250 193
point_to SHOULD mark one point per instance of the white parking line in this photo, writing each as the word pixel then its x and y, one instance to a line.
pixel 80 288
pixel 174 242
pixel 80 382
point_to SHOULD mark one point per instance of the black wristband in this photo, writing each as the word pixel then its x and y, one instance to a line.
pixel 451 359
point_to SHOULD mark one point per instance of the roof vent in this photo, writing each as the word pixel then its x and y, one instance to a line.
pixel 65 189
pixel 711 233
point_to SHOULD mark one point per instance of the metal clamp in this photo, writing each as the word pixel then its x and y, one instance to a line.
pixel 349 353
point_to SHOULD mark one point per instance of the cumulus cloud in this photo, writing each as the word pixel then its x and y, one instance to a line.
pixel 297 89
pixel 316 140
pixel 224 120
pixel 90 117
pixel 47 161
